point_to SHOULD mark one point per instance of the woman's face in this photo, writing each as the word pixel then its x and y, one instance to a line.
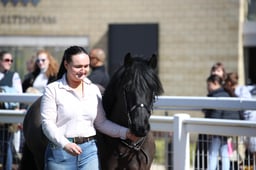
pixel 78 68
pixel 42 61
pixel 6 62
pixel 219 72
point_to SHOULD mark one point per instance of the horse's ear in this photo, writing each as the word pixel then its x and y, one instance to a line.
pixel 127 59
pixel 153 61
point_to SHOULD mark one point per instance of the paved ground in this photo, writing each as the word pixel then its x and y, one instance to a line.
pixel 157 167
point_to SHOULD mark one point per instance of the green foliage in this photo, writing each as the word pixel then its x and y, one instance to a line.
pixel 160 151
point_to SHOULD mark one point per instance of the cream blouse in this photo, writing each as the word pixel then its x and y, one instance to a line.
pixel 65 114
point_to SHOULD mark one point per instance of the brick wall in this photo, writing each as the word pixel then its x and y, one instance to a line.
pixel 193 34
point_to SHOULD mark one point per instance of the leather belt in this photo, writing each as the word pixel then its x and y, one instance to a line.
pixel 80 140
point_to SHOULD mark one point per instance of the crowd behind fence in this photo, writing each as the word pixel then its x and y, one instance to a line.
pixel 175 145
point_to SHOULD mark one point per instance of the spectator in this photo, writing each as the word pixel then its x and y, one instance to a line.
pixel 218 143
pixel 30 65
pixel 236 90
pixel 9 133
pixel 45 72
pixel 253 91
pixel 99 74
pixel 219 69
pixel 251 85
pixel 202 141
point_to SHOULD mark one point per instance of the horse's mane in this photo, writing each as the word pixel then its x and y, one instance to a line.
pixel 137 76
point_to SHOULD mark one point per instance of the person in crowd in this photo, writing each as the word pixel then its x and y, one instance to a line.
pixel 9 133
pixel 99 74
pixel 45 72
pixel 30 66
pixel 236 90
pixel 253 91
pixel 219 69
pixel 8 77
pixel 71 111
pixel 241 91
pixel 201 152
pixel 218 143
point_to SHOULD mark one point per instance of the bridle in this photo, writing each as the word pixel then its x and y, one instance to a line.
pixel 136 106
pixel 135 146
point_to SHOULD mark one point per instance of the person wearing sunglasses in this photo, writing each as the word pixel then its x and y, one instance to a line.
pixel 8 77
pixel 10 82
pixel 45 72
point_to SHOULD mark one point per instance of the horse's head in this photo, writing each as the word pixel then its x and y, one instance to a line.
pixel 129 97
pixel 140 87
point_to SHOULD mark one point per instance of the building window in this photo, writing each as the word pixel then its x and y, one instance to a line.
pixel 251 10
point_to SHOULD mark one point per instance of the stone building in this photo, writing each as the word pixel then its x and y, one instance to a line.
pixel 191 35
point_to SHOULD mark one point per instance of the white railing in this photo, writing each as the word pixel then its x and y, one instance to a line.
pixel 181 124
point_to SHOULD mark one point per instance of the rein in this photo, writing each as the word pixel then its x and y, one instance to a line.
pixel 134 146
pixel 137 146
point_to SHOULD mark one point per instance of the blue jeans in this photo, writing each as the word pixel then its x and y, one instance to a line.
pixel 6 148
pixel 217 144
pixel 58 158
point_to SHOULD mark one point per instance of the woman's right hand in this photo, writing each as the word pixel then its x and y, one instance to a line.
pixel 73 149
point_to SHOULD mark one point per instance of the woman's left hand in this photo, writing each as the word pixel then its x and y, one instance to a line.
pixel 131 136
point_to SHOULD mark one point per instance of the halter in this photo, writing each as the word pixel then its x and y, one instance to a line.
pixel 135 146
pixel 135 107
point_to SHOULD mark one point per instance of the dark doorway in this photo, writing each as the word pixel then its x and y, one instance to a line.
pixel 138 39
pixel 250 69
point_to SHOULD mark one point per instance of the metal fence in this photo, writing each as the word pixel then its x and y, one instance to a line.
pixel 176 136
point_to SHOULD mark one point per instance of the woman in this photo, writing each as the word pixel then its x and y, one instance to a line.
pixel 202 141
pixel 218 143
pixel 72 110
pixel 241 91
pixel 218 69
pixel 45 72
pixel 236 90
pixel 10 82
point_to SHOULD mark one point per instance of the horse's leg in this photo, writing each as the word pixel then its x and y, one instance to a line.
pixel 35 140
pixel 27 161
pixel 39 159
pixel 32 160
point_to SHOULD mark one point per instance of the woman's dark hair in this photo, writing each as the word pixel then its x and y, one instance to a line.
pixel 69 52
pixel 230 83
pixel 2 53
pixel 232 78
pixel 215 78
pixel 219 65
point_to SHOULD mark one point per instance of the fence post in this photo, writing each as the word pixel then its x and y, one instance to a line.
pixel 180 143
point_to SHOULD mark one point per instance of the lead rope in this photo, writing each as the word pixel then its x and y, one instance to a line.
pixel 137 147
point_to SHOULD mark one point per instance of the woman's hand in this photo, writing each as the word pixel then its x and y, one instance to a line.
pixel 131 136
pixel 73 149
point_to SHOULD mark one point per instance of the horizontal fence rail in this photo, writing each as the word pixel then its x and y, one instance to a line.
pixel 180 124
pixel 198 103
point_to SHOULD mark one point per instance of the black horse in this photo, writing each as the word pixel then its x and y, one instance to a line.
pixel 128 100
